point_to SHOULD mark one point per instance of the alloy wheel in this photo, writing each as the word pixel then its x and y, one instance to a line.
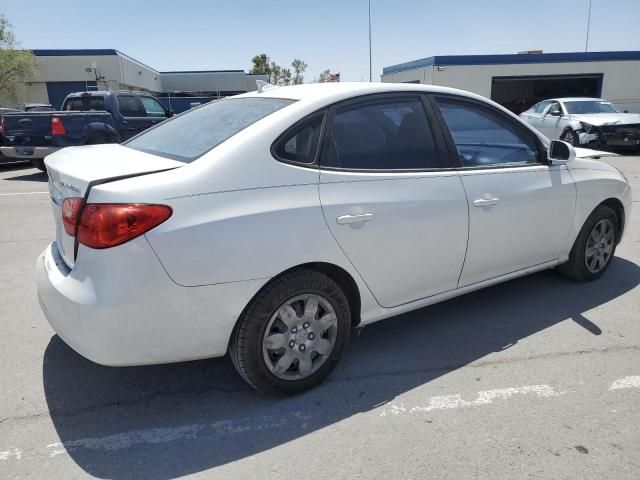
pixel 599 246
pixel 569 137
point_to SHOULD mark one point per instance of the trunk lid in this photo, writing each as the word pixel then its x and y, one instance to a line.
pixel 74 170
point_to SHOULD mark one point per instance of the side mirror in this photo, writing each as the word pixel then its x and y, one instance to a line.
pixel 169 113
pixel 560 152
pixel 625 111
pixel 555 113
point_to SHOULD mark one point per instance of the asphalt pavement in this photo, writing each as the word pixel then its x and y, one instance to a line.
pixel 536 378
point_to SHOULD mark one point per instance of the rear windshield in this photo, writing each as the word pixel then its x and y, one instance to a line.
pixel 195 132
pixel 84 104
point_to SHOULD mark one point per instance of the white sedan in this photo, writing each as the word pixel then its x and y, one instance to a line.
pixel 269 224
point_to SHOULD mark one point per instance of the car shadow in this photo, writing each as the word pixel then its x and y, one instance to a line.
pixel 9 164
pixel 34 176
pixel 161 422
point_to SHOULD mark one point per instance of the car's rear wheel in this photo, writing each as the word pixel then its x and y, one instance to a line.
pixel 570 136
pixel 292 334
pixel 594 248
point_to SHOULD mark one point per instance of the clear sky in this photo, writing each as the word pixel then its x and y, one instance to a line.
pixel 225 34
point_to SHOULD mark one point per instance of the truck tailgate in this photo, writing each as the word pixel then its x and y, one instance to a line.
pixel 27 129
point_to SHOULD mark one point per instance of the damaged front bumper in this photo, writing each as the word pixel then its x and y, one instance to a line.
pixel 610 135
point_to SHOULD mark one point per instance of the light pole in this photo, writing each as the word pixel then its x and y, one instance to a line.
pixel 370 68
pixel 586 43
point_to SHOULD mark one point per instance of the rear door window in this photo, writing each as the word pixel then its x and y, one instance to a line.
pixel 539 108
pixel 189 135
pixel 130 106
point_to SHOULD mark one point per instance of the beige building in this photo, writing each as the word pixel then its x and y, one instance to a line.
pixel 61 72
pixel 518 81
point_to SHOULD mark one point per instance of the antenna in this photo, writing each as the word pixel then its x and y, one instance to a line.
pixel 370 69
pixel 264 86
pixel 586 43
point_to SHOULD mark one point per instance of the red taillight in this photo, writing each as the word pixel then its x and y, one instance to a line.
pixel 70 208
pixel 57 127
pixel 104 225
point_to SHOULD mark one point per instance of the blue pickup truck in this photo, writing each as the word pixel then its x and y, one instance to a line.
pixel 86 118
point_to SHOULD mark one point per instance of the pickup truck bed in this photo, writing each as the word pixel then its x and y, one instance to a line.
pixel 29 135
pixel 86 118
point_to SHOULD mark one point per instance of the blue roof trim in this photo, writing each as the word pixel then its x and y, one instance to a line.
pixel 513 59
pixel 203 71
pixel 74 53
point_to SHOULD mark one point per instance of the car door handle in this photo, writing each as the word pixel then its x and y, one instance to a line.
pixel 347 219
pixel 486 201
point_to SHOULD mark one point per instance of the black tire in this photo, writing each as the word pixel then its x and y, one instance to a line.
pixel 576 268
pixel 571 137
pixel 39 164
pixel 246 345
pixel 96 139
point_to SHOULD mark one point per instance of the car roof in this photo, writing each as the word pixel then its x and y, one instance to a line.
pixel 579 99
pixel 337 90
pixel 106 92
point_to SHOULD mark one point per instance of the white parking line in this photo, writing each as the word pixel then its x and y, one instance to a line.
pixel 486 397
pixel 297 420
pixel 14 453
pixel 154 436
pixel 21 193
pixel 626 382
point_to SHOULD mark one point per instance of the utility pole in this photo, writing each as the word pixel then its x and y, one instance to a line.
pixel 370 68
pixel 586 43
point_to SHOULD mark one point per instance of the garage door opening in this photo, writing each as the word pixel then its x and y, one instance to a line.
pixel 519 93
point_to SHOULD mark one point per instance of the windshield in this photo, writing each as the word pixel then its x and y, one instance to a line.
pixel 590 106
pixel 187 136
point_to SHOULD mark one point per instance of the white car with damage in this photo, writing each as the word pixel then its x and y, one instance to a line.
pixel 582 121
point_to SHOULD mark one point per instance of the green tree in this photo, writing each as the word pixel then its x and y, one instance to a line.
pixel 277 75
pixel 325 76
pixel 16 66
pixel 299 67
pixel 260 63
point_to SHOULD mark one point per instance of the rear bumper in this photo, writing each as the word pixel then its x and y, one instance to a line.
pixel 118 307
pixel 27 153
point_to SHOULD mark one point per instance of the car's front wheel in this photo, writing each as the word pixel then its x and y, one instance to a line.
pixel 594 248
pixel 292 334
pixel 571 137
